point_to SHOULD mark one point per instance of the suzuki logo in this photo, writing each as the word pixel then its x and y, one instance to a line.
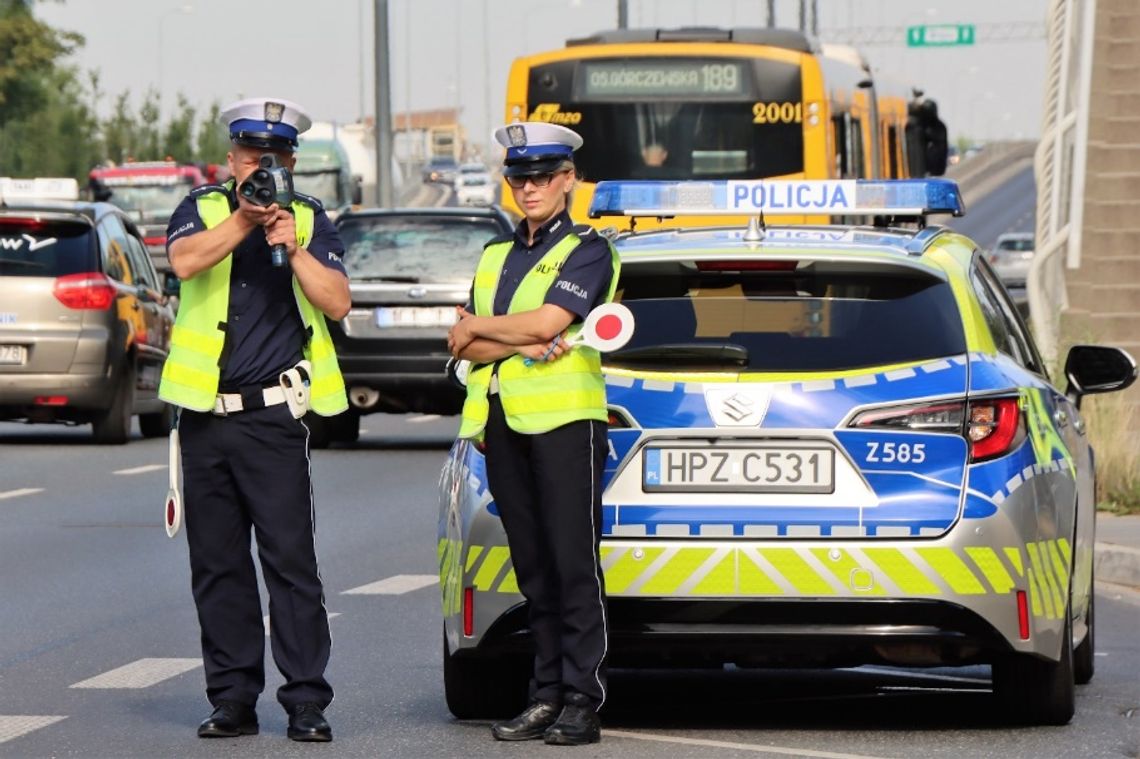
pixel 737 407
pixel 417 292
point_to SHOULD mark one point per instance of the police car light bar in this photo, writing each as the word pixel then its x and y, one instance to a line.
pixel 41 188
pixel 844 197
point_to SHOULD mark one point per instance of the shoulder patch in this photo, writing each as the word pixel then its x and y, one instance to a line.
pixel 501 238
pixel 206 189
pixel 309 200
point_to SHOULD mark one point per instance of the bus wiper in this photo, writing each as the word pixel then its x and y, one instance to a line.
pixel 401 279
pixel 689 353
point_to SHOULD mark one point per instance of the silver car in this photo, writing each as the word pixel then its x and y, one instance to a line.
pixel 1010 258
pixel 84 324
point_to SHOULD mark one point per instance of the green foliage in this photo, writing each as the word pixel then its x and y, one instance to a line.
pixel 49 124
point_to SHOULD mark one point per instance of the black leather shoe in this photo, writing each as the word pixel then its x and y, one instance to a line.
pixel 532 723
pixel 229 720
pixel 577 725
pixel 307 723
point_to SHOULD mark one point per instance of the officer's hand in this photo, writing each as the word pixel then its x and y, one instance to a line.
pixel 282 230
pixel 255 215
pixel 459 336
pixel 555 348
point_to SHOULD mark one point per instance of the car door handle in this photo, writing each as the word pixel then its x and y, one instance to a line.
pixel 1061 418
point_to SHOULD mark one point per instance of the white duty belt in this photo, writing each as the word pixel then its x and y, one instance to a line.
pixel 230 403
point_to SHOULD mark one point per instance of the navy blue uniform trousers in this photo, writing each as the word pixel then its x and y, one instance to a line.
pixel 548 489
pixel 251 470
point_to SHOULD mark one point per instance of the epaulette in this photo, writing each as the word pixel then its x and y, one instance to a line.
pixel 584 231
pixel 206 189
pixel 506 237
pixel 309 200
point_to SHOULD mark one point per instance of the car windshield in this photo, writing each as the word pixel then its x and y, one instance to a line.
pixel 414 248
pixel 1022 244
pixel 813 319
pixel 322 186
pixel 476 181
pixel 149 201
pixel 35 248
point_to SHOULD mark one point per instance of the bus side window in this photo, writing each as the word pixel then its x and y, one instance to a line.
pixel 855 134
pixel 842 144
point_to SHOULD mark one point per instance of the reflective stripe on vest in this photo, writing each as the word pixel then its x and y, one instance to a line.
pixel 192 372
pixel 543 396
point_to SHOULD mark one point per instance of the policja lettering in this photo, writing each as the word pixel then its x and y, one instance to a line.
pixel 811 196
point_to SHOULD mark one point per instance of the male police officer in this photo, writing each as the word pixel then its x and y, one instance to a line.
pixel 545 425
pixel 249 344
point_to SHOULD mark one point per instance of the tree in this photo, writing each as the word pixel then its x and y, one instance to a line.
pixel 177 137
pixel 29 50
pixel 213 139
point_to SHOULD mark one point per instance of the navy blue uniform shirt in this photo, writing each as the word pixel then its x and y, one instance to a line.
pixel 264 333
pixel 583 281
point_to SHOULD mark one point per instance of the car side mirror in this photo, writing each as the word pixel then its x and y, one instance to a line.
pixel 1093 369
pixel 171 284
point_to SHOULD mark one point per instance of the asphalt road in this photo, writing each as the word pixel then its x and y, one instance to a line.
pixel 99 652
pixel 1011 207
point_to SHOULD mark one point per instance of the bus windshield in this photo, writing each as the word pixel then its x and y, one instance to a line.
pixel 671 118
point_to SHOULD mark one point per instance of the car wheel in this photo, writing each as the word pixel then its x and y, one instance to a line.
pixel 1038 691
pixel 113 426
pixel 1084 655
pixel 482 688
pixel 157 425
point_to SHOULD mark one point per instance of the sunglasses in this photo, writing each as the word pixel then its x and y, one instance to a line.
pixel 538 180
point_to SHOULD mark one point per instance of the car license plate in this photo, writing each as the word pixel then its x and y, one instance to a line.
pixel 778 468
pixel 415 316
pixel 13 354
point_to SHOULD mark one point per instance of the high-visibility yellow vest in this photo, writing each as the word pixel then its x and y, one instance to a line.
pixel 192 372
pixel 545 395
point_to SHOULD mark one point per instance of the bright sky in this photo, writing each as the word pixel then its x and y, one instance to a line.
pixel 319 52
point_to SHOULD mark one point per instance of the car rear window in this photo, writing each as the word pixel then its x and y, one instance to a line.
pixel 38 248
pixel 414 249
pixel 809 320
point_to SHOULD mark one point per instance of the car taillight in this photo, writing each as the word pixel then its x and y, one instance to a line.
pixel 993 427
pixel 87 290
pixel 930 417
pixel 617 420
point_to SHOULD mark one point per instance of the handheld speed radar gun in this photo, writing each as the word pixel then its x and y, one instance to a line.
pixel 270 183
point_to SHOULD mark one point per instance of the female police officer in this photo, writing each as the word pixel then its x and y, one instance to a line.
pixel 544 425
pixel 242 323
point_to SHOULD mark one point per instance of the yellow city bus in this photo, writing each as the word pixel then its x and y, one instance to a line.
pixel 705 103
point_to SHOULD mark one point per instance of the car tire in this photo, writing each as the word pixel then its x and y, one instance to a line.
pixel 1084 655
pixel 159 424
pixel 113 426
pixel 483 688
pixel 1037 691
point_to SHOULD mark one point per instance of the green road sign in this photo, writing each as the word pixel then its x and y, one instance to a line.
pixel 940 35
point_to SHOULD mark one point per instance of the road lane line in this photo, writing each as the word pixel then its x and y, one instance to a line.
pixel 394 586
pixel 15 725
pixel 423 418
pixel 20 492
pixel 140 674
pixel 265 621
pixel 141 469
pixel 759 749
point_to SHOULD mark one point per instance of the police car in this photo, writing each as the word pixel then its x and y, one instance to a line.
pixel 829 445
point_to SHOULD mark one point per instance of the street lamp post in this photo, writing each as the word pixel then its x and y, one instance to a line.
pixel 185 9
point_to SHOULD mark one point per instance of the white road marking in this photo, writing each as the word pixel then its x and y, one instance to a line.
pixel 423 418
pixel 759 749
pixel 13 726
pixel 265 621
pixel 394 586
pixel 20 492
pixel 141 469
pixel 140 674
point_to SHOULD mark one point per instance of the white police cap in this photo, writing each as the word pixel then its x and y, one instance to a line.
pixel 536 147
pixel 270 123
